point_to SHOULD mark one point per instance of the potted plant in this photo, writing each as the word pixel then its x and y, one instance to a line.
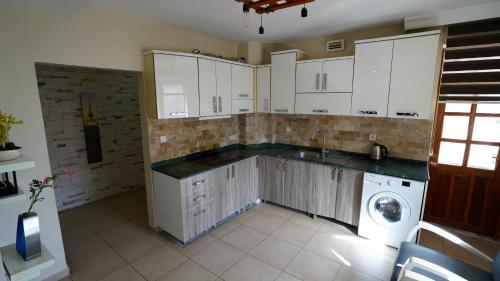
pixel 8 150
pixel 28 227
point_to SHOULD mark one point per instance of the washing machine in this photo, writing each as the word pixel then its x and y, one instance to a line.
pixel 390 208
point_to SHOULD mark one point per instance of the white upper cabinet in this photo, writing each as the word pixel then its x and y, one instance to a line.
pixel 337 75
pixel 208 88
pixel 372 75
pixel 309 77
pixel 323 103
pixel 242 82
pixel 223 73
pixel 215 87
pixel 176 90
pixel 264 89
pixel 327 76
pixel 283 82
pixel 413 73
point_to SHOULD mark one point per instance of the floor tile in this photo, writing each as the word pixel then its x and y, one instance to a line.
pixel 265 223
pixel 306 221
pixel 106 221
pixel 369 244
pixel 276 211
pixel 77 233
pixel 196 246
pixel 97 267
pixel 286 277
pixel 275 252
pixel 292 233
pixel 133 211
pixel 370 262
pixel 251 269
pixel 246 216
pixel 325 245
pixel 84 249
pixel 136 246
pixel 335 229
pixel 244 238
pixel 121 232
pixel 349 274
pixel 92 210
pixel 188 271
pixel 69 219
pixel 218 257
pixel 224 229
pixel 309 266
pixel 157 263
pixel 126 273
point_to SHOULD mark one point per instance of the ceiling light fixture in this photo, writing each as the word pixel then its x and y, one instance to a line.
pixel 261 28
pixel 246 14
pixel 270 6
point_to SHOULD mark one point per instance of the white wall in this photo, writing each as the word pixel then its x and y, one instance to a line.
pixel 94 38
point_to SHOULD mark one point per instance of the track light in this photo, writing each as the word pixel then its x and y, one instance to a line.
pixel 246 14
pixel 303 12
pixel 261 28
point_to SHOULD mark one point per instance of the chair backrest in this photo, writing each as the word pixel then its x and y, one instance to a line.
pixel 495 268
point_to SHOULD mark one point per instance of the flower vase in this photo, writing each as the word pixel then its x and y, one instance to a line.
pixel 28 236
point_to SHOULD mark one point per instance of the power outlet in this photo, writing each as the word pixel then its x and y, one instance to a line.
pixel 288 129
pixel 163 139
pixel 372 137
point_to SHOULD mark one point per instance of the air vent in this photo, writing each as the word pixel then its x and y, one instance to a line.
pixel 335 45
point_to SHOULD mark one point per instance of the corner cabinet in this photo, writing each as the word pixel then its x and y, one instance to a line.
pixel 271 178
pixel 171 91
pixel 264 88
pixel 283 81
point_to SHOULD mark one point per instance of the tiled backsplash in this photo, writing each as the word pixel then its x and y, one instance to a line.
pixel 116 92
pixel 404 138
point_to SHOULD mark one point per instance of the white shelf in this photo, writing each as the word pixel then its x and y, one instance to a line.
pixel 20 196
pixel 18 269
pixel 21 163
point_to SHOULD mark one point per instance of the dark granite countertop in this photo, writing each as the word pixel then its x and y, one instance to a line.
pixel 196 163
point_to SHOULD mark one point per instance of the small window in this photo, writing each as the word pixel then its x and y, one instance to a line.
pixel 451 153
pixel 486 129
pixel 488 108
pixel 455 127
pixel 482 156
pixel 458 107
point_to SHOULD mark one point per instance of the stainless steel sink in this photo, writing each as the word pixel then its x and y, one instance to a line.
pixel 308 155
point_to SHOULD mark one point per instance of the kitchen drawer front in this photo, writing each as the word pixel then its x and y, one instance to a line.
pixel 198 220
pixel 200 195
pixel 323 104
pixel 242 106
pixel 197 183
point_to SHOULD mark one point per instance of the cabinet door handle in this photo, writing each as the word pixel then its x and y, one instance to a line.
pixel 232 170
pixel 199 197
pixel 368 112
pixel 340 175
pixel 227 172
pixel 324 80
pixel 198 182
pixel 317 81
pixel 220 104
pixel 266 104
pixel 243 95
pixel 320 110
pixel 281 110
pixel 214 103
pixel 334 174
pixel 244 110
pixel 200 212
pixel 412 114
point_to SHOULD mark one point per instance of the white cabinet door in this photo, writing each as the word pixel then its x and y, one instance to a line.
pixel 176 86
pixel 242 82
pixel 323 103
pixel 372 74
pixel 412 77
pixel 242 106
pixel 223 73
pixel 208 87
pixel 337 76
pixel 283 82
pixel 264 89
pixel 309 77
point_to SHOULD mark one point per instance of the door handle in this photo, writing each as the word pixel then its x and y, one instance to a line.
pixel 334 174
pixel 200 212
pixel 199 198
pixel 266 106
pixel 220 104
pixel 198 182
pixel 340 175
pixel 214 104
pixel 227 172
pixel 232 169
pixel 317 81
pixel 324 80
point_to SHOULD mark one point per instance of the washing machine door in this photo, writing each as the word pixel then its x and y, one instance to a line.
pixel 388 209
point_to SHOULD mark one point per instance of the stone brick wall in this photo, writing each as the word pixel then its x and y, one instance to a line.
pixel 119 118
pixel 404 138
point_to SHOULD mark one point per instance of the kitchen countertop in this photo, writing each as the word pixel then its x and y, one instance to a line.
pixel 186 166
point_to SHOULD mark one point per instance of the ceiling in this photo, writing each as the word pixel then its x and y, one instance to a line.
pixel 223 18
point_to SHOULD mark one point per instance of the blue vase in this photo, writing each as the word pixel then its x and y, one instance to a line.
pixel 28 236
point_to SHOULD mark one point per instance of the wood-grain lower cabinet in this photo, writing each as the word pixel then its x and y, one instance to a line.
pixel 271 177
pixel 350 187
pixel 325 190
pixel 299 185
pixel 246 181
pixel 229 197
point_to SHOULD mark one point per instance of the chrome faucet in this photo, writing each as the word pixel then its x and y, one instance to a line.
pixel 321 132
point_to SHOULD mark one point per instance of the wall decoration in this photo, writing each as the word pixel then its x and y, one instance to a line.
pixel 91 127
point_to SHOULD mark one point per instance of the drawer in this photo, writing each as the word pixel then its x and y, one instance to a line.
pixel 323 104
pixel 200 195
pixel 242 106
pixel 197 183
pixel 198 220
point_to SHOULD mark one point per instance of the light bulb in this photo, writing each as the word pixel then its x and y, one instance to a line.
pixel 246 14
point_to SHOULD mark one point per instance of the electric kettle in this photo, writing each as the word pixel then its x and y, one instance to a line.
pixel 379 152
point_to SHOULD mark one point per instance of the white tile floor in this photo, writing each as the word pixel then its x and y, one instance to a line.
pixel 110 240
